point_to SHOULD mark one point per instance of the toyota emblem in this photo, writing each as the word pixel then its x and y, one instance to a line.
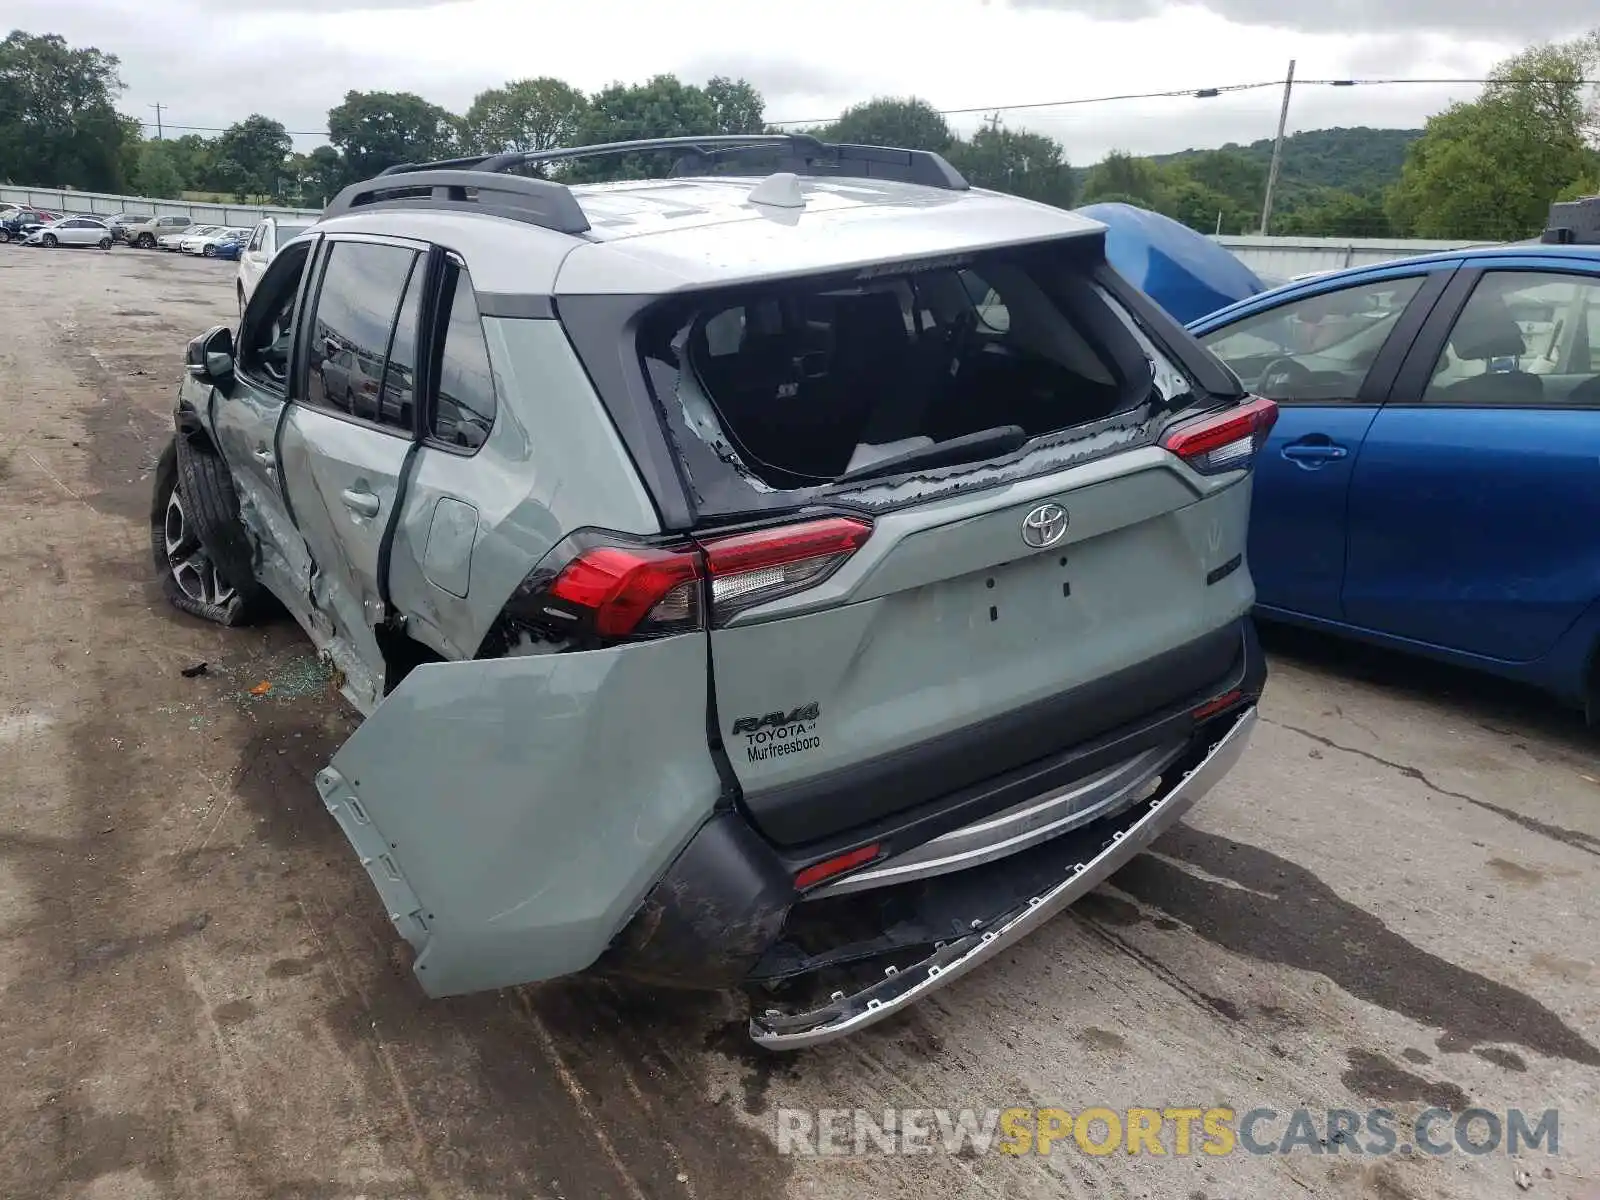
pixel 1044 526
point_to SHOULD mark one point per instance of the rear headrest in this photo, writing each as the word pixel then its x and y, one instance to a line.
pixel 1487 330
pixel 870 319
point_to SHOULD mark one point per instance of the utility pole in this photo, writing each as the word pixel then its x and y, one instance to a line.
pixel 157 107
pixel 1277 152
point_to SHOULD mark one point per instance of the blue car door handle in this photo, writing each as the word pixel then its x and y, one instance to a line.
pixel 1313 452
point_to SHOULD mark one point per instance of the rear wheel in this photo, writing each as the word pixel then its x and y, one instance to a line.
pixel 192 578
pixel 5 236
pixel 104 243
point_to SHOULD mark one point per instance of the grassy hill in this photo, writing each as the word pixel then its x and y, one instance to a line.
pixel 1353 160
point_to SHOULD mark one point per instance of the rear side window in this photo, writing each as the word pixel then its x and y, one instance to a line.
pixel 465 409
pixel 362 287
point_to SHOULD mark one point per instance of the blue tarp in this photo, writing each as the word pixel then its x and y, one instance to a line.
pixel 1185 272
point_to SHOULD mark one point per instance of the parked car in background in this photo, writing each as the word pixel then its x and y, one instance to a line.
pixel 173 242
pixel 1185 272
pixel 265 240
pixel 118 223
pixel 230 250
pixel 206 243
pixel 1433 481
pixel 17 222
pixel 146 233
pixel 71 231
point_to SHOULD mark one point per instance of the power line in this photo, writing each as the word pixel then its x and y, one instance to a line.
pixel 1207 93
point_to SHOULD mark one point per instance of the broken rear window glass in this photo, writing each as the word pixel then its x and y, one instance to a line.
pixel 806 382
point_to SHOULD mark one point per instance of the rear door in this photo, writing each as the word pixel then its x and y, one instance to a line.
pixel 1475 508
pixel 1327 357
pixel 344 445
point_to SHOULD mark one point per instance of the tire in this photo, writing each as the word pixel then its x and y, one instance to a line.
pixel 240 603
pixel 50 241
pixel 5 236
pixel 104 243
pixel 209 250
pixel 147 241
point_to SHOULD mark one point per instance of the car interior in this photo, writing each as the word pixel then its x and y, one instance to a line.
pixel 811 384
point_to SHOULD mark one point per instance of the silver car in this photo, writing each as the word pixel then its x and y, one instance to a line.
pixel 805 573
pixel 71 231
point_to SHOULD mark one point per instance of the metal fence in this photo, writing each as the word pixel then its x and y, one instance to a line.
pixel 1287 257
pixel 105 204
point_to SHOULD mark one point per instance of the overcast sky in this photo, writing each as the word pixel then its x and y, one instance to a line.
pixel 212 62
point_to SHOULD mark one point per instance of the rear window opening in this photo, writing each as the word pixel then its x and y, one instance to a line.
pixel 818 381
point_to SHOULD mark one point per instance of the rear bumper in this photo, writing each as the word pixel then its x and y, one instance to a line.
pixel 846 1014
pixel 945 888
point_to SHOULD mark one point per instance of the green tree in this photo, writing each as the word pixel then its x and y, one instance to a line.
pixel 892 121
pixel 664 106
pixel 375 130
pixel 1329 212
pixel 739 107
pixel 250 157
pixel 59 126
pixel 1024 164
pixel 1240 181
pixel 157 175
pixel 1122 177
pixel 527 114
pixel 322 175
pixel 194 158
pixel 1490 168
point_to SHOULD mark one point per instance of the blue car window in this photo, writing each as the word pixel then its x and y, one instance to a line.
pixel 1316 348
pixel 1524 338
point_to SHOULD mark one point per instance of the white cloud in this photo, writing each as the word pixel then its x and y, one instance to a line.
pixel 210 63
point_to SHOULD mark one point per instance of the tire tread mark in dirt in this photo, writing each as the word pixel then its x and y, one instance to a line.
pixel 1576 838
pixel 1309 926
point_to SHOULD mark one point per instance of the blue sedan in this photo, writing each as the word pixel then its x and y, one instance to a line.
pixel 1433 480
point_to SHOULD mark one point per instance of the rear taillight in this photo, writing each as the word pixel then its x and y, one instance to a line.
pixel 1225 441
pixel 764 564
pixel 600 587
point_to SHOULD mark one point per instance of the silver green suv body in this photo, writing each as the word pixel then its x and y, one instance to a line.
pixel 803 573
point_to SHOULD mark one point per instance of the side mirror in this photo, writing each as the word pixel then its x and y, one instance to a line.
pixel 209 357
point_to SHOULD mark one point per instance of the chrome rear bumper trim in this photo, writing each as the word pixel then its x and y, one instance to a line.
pixel 896 991
pixel 1015 829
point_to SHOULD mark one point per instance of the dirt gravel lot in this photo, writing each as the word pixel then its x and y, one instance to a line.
pixel 1391 903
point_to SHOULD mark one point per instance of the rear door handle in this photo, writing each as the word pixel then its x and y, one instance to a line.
pixel 1311 454
pixel 363 504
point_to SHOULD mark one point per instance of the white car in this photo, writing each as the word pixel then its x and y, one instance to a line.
pixel 174 241
pixel 71 231
pixel 206 243
pixel 268 237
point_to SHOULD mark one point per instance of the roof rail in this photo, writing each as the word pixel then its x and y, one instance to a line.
pixel 519 197
pixel 479 183
pixel 798 152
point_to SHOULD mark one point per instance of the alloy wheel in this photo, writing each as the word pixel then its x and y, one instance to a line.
pixel 191 567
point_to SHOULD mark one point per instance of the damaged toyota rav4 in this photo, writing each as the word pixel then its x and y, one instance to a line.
pixel 801 573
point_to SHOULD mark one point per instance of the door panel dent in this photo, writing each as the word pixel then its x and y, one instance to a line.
pixel 514 812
